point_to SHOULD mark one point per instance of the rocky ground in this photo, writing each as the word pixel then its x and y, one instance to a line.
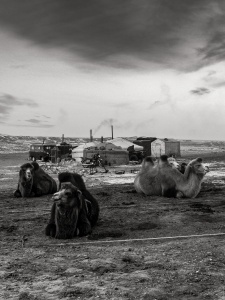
pixel 142 247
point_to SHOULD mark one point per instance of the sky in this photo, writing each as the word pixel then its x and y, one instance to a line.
pixel 148 67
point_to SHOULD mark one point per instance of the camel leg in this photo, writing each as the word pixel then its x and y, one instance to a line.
pixel 179 195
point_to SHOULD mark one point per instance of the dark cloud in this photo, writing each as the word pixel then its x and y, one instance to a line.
pixel 200 91
pixel 33 121
pixel 9 102
pixel 44 116
pixel 214 49
pixel 120 33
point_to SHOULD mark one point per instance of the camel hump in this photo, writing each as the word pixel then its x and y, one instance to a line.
pixel 164 158
pixel 35 165
pixel 27 166
pixel 74 178
pixel 148 159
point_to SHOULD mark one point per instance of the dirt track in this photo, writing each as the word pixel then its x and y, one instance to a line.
pixel 110 264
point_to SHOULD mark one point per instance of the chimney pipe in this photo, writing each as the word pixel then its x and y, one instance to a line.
pixel 101 139
pixel 91 137
pixel 62 138
pixel 112 131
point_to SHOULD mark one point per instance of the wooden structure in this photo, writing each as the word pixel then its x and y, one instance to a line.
pixel 165 146
pixel 146 143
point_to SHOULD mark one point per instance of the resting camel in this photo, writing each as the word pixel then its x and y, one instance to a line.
pixel 163 180
pixel 70 214
pixel 34 181
pixel 77 181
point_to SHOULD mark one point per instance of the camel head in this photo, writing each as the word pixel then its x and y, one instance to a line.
pixel 25 184
pixel 198 167
pixel 26 172
pixel 164 160
pixel 68 198
pixel 173 163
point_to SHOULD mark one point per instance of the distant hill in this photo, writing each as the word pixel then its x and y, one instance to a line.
pixel 13 144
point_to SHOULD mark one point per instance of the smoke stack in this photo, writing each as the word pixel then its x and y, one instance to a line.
pixel 112 131
pixel 62 138
pixel 91 137
pixel 101 139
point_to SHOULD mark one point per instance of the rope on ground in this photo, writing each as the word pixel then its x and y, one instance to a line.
pixel 141 239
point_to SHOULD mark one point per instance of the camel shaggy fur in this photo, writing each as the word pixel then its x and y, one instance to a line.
pixel 34 181
pixel 162 179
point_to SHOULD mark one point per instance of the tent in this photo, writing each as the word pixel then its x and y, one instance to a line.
pixel 78 152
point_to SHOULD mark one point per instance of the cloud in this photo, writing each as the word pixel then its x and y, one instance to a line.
pixel 165 96
pixel 218 84
pixel 215 79
pixel 200 91
pixel 175 33
pixel 32 125
pixel 214 49
pixel 158 103
pixel 18 66
pixel 33 121
pixel 9 102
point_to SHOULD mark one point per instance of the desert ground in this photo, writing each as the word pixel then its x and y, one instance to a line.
pixel 142 247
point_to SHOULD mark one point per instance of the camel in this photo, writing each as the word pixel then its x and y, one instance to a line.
pixel 34 181
pixel 71 214
pixel 163 180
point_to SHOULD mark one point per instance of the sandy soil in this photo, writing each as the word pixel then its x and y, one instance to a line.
pixel 120 259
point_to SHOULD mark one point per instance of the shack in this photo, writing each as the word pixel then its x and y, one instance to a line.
pixel 166 146
pixel 41 151
pixel 146 143
pixel 50 151
pixel 61 151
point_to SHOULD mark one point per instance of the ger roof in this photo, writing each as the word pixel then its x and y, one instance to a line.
pixel 124 143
